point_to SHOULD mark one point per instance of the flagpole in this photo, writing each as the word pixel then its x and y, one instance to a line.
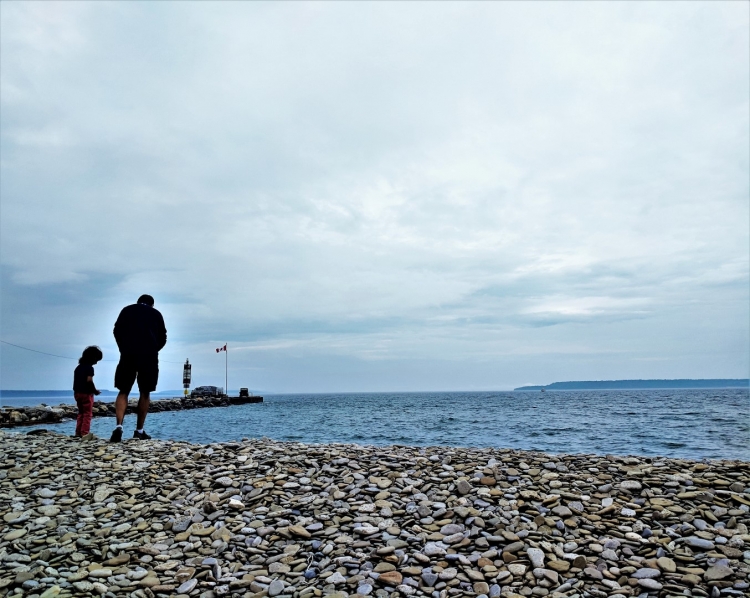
pixel 226 368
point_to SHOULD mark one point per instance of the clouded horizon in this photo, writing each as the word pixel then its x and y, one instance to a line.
pixel 378 196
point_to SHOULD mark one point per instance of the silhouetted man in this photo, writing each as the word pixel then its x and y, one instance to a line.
pixel 140 335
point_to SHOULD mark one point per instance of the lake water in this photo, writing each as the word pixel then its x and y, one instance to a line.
pixel 692 424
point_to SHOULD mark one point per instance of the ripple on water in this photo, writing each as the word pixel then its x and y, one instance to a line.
pixel 693 424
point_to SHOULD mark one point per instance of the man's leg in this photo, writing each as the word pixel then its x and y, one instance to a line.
pixel 121 405
pixel 143 404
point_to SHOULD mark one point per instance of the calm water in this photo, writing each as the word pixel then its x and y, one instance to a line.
pixel 678 423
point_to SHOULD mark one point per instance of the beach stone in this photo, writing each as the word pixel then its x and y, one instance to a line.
pixel 559 565
pixel 717 572
pixel 536 556
pixel 696 542
pixel 463 487
pixel 631 485
pixel 299 531
pixel 517 569
pixel 650 584
pixel 429 578
pixel 434 549
pixel 336 578
pixel 646 573
pixel 276 587
pixel 391 578
pixel 666 564
pixel 15 534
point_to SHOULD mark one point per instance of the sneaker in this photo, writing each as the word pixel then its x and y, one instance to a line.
pixel 116 435
pixel 88 436
pixel 141 435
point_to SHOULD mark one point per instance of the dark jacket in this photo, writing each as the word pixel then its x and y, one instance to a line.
pixel 140 330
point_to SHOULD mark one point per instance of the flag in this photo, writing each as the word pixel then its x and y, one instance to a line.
pixel 224 348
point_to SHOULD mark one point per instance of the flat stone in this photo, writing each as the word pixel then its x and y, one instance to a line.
pixel 696 542
pixel 536 556
pixel 717 572
pixel 391 578
pixel 650 584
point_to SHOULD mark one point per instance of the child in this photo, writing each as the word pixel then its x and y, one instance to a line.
pixel 84 389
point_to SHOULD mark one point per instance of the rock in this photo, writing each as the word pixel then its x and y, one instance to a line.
pixel 299 531
pixel 276 587
pixel 14 534
pixel 559 565
pixel 646 573
pixel 666 564
pixel 696 542
pixel 650 584
pixel 517 569
pixel 429 578
pixel 717 572
pixel 630 485
pixel 536 556
pixel 187 586
pixel 463 487
pixel 391 578
pixel 434 549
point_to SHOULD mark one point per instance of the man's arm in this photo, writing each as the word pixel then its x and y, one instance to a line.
pixel 119 330
pixel 161 333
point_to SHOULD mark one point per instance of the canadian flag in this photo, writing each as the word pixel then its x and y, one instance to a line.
pixel 224 348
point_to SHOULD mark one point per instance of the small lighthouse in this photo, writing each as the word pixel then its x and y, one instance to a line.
pixel 186 374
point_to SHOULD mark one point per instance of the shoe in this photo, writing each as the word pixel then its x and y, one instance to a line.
pixel 141 435
pixel 116 435
pixel 89 436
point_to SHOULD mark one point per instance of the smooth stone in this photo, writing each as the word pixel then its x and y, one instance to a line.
pixel 646 573
pixel 696 542
pixel 536 556
pixel 717 573
pixel 650 584
pixel 276 587
pixel 187 587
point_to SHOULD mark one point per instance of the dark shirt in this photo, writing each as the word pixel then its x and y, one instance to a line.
pixel 81 383
pixel 140 330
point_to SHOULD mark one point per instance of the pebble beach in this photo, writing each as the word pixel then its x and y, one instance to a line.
pixel 290 520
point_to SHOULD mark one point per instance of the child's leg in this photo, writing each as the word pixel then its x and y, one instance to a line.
pixel 88 412
pixel 81 409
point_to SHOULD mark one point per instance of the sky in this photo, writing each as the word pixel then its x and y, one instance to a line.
pixel 378 196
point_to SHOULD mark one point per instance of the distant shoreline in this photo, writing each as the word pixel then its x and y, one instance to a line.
pixel 643 384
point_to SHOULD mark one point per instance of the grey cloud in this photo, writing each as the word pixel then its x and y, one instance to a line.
pixel 358 188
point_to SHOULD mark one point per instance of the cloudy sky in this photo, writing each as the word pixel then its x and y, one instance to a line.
pixel 378 196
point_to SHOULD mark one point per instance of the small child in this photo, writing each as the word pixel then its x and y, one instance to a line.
pixel 84 389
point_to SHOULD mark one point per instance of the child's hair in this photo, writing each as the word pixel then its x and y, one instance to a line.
pixel 91 355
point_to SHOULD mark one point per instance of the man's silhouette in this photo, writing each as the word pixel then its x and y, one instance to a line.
pixel 140 335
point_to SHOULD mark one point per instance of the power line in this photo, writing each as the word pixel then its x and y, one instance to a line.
pixel 64 356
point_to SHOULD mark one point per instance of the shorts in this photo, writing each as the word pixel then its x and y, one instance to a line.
pixel 144 368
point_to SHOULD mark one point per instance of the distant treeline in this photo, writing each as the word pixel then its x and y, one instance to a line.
pixel 642 384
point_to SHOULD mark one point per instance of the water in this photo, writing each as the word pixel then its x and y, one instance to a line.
pixel 694 424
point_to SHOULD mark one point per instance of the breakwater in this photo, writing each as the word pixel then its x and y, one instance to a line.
pixel 28 416
pixel 290 520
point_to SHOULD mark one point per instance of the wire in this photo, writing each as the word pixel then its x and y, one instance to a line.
pixel 65 357
pixel 35 351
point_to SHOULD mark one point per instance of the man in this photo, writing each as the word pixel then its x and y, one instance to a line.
pixel 140 335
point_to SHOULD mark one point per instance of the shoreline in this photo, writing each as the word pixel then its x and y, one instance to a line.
pixel 268 518
pixel 12 417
